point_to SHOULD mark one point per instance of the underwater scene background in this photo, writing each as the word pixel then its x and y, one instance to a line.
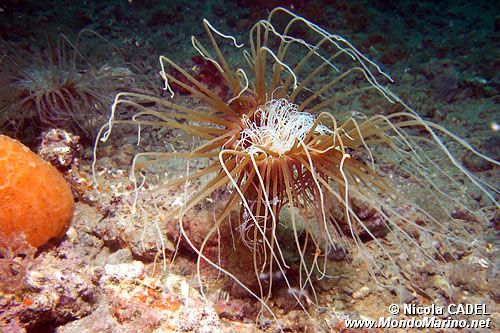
pixel 234 167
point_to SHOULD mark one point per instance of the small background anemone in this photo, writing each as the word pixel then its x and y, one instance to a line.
pixel 69 84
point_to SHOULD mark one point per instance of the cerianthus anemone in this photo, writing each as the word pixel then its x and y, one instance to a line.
pixel 295 161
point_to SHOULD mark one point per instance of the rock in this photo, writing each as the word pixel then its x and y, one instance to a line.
pixel 441 283
pixel 60 291
pixel 236 309
pixel 101 320
pixel 361 293
pixel 60 148
pixel 470 277
pixel 338 305
pixel 119 257
pixel 197 318
pixel 119 272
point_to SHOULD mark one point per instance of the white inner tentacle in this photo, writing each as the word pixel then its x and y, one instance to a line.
pixel 277 126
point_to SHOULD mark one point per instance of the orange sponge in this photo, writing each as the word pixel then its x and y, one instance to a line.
pixel 34 197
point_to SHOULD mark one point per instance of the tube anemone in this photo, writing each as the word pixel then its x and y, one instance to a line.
pixel 284 141
pixel 59 87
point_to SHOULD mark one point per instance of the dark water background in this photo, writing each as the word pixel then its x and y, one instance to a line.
pixel 404 33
